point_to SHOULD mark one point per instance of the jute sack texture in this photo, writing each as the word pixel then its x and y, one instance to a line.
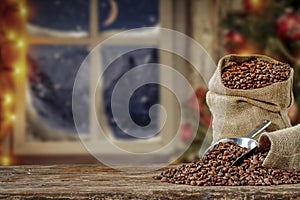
pixel 284 148
pixel 236 112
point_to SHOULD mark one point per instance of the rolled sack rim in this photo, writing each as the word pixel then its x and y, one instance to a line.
pixel 274 158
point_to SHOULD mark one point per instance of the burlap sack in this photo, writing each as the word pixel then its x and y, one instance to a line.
pixel 236 112
pixel 284 148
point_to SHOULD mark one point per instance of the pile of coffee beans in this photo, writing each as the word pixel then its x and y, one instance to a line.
pixel 215 169
pixel 254 74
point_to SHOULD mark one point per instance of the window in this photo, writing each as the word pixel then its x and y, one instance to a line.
pixel 61 33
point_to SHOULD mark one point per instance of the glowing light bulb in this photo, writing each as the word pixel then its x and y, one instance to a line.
pixel 8 99
pixel 23 10
pixel 11 35
pixel 13 117
pixel 20 43
pixel 17 70
pixel 256 2
pixel 5 160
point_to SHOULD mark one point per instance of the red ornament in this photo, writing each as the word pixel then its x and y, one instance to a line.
pixel 234 41
pixel 186 132
pixel 196 101
pixel 254 6
pixel 288 27
pixel 197 105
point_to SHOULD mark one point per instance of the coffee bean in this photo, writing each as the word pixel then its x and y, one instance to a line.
pixel 254 74
pixel 215 169
pixel 164 179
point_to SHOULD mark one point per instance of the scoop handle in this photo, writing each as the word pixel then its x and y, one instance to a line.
pixel 259 128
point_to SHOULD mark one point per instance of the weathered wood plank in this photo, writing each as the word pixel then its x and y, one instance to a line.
pixel 98 182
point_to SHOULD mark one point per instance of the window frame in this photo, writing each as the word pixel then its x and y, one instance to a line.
pixel 23 147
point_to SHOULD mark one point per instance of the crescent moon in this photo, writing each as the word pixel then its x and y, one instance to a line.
pixel 112 14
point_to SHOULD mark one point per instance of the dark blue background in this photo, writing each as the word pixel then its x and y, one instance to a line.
pixel 73 15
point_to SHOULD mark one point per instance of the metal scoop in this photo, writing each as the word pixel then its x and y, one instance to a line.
pixel 246 141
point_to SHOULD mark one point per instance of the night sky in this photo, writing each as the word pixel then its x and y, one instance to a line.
pixel 131 14
pixel 54 70
pixel 142 99
pixel 73 15
pixel 55 66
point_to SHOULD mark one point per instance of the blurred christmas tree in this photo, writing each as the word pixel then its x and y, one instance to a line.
pixel 270 27
pixel 197 121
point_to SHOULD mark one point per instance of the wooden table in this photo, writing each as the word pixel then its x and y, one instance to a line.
pixel 98 182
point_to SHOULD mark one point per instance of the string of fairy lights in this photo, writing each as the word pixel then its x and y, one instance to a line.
pixel 13 17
